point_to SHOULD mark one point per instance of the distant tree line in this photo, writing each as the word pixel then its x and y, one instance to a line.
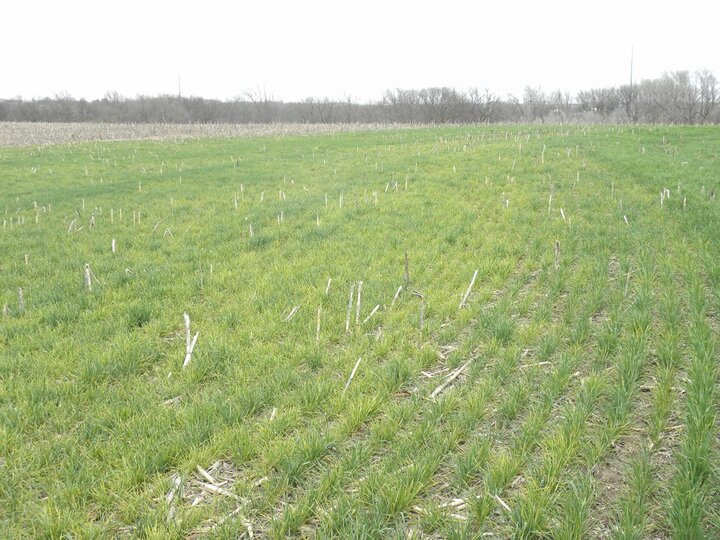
pixel 676 98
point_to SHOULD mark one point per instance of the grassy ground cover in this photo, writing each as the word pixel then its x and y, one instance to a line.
pixel 347 381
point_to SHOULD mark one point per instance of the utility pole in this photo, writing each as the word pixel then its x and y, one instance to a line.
pixel 632 54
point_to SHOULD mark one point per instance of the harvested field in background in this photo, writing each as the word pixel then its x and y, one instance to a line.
pixel 35 134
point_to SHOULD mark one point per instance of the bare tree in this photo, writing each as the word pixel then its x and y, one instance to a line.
pixel 348 109
pixel 560 103
pixel 602 101
pixel 431 105
pixel 675 97
pixel 627 96
pixel 402 105
pixel 317 111
pixel 482 105
pixel 515 106
pixel 535 104
pixel 325 110
pixel 707 86
pixel 66 107
pixel 440 105
pixel 264 104
pixel 684 95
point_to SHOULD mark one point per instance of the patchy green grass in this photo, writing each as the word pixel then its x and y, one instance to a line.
pixel 574 395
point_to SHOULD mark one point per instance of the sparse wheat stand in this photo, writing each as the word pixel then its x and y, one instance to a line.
pixel 437 403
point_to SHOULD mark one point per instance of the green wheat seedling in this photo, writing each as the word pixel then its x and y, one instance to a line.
pixel 445 332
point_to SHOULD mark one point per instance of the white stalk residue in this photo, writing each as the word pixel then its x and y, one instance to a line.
pixel 292 313
pixel 454 375
pixel 371 313
pixel 397 294
pixel 467 293
pixel 87 277
pixel 349 308
pixel 357 307
pixel 189 343
pixel 347 384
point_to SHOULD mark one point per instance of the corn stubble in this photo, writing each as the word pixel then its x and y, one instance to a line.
pixel 519 337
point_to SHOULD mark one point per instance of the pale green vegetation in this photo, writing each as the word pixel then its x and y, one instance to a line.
pixel 574 395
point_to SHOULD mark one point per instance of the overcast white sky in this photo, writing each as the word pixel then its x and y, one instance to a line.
pixel 321 48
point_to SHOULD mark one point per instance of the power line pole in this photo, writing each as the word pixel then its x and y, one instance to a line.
pixel 632 51
pixel 632 55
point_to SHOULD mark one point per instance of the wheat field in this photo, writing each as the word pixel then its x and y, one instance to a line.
pixel 447 332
